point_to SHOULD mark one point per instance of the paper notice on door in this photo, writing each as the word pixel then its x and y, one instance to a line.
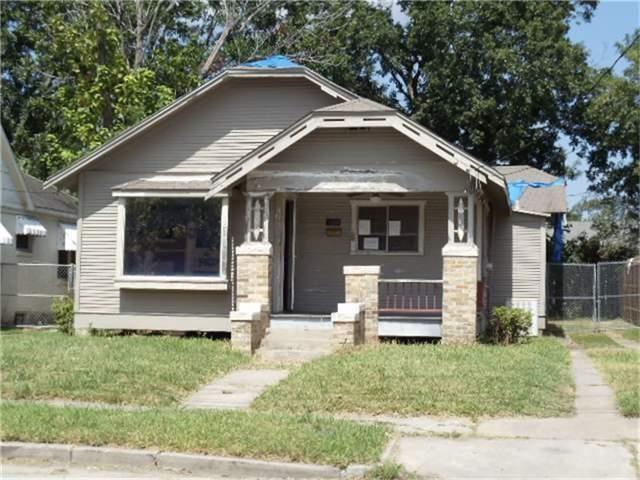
pixel 371 243
pixel 395 226
pixel 364 227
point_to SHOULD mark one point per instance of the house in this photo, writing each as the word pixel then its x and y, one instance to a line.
pixel 272 193
pixel 37 243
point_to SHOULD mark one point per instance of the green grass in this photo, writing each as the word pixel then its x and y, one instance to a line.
pixel 585 325
pixel 248 434
pixel 594 340
pixel 482 380
pixel 633 334
pixel 146 370
pixel 620 367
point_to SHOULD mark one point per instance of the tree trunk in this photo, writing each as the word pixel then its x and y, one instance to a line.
pixel 140 20
pixel 215 51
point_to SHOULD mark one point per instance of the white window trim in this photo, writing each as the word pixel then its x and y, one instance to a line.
pixel 171 282
pixel 355 204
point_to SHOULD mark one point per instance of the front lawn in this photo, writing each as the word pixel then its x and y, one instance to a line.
pixel 620 367
pixel 594 340
pixel 529 379
pixel 248 434
pixel 633 335
pixel 145 370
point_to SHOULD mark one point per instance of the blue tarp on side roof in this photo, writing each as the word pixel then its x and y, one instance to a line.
pixel 275 61
pixel 517 188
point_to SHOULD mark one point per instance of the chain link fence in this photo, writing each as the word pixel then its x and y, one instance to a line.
pixel 29 290
pixel 594 296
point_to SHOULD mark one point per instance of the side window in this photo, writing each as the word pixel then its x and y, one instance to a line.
pixel 23 243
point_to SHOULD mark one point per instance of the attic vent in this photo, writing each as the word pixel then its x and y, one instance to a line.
pixel 293 134
pixel 334 119
pixel 412 130
pixel 374 119
pixel 445 150
pixel 233 172
pixel 266 152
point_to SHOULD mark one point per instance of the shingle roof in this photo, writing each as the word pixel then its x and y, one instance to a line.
pixel 51 199
pixel 544 199
pixel 146 184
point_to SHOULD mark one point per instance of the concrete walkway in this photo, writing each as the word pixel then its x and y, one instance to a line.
pixel 236 390
pixel 477 458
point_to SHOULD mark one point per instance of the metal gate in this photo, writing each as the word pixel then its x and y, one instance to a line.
pixel 594 295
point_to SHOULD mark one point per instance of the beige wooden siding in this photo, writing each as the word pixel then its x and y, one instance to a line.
pixel 98 244
pixel 97 292
pixel 518 257
pixel 205 137
pixel 319 281
pixel 223 126
pixel 357 159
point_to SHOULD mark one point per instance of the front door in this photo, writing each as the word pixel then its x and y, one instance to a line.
pixel 289 254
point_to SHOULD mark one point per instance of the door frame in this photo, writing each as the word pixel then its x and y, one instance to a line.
pixel 279 252
pixel 289 267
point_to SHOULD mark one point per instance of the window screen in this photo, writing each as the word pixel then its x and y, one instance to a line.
pixel 172 236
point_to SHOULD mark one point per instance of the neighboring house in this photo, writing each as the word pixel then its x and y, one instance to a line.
pixel 37 233
pixel 314 188
pixel 579 228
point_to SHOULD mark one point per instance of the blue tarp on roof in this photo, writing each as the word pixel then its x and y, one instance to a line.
pixel 517 188
pixel 275 61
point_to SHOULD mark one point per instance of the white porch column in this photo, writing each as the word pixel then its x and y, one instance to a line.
pixel 460 272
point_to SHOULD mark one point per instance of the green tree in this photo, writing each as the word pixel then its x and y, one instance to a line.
pixel 497 78
pixel 608 126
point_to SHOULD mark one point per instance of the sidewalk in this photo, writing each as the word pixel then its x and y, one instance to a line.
pixel 592 444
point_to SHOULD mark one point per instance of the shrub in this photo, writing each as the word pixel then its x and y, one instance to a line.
pixel 509 325
pixel 63 312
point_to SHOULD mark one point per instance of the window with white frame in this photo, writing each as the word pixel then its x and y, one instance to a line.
pixel 388 227
pixel 168 236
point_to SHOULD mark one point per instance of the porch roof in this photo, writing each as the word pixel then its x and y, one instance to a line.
pixel 357 113
pixel 163 186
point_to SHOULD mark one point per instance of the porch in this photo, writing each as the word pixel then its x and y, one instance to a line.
pixel 315 245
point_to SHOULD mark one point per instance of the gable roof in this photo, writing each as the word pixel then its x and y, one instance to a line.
pixel 51 199
pixel 31 189
pixel 357 113
pixel 9 159
pixel 542 198
pixel 242 71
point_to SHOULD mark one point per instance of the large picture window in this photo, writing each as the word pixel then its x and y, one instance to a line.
pixel 172 237
pixel 388 228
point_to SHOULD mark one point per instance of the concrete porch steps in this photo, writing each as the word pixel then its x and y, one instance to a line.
pixel 289 342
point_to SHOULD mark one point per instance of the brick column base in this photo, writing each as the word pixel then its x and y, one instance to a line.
pixel 248 326
pixel 253 260
pixel 459 308
pixel 361 286
pixel 347 324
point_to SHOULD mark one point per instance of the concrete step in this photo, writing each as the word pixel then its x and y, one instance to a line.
pixel 297 343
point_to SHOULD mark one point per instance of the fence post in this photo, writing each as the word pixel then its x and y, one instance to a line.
pixel 595 297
